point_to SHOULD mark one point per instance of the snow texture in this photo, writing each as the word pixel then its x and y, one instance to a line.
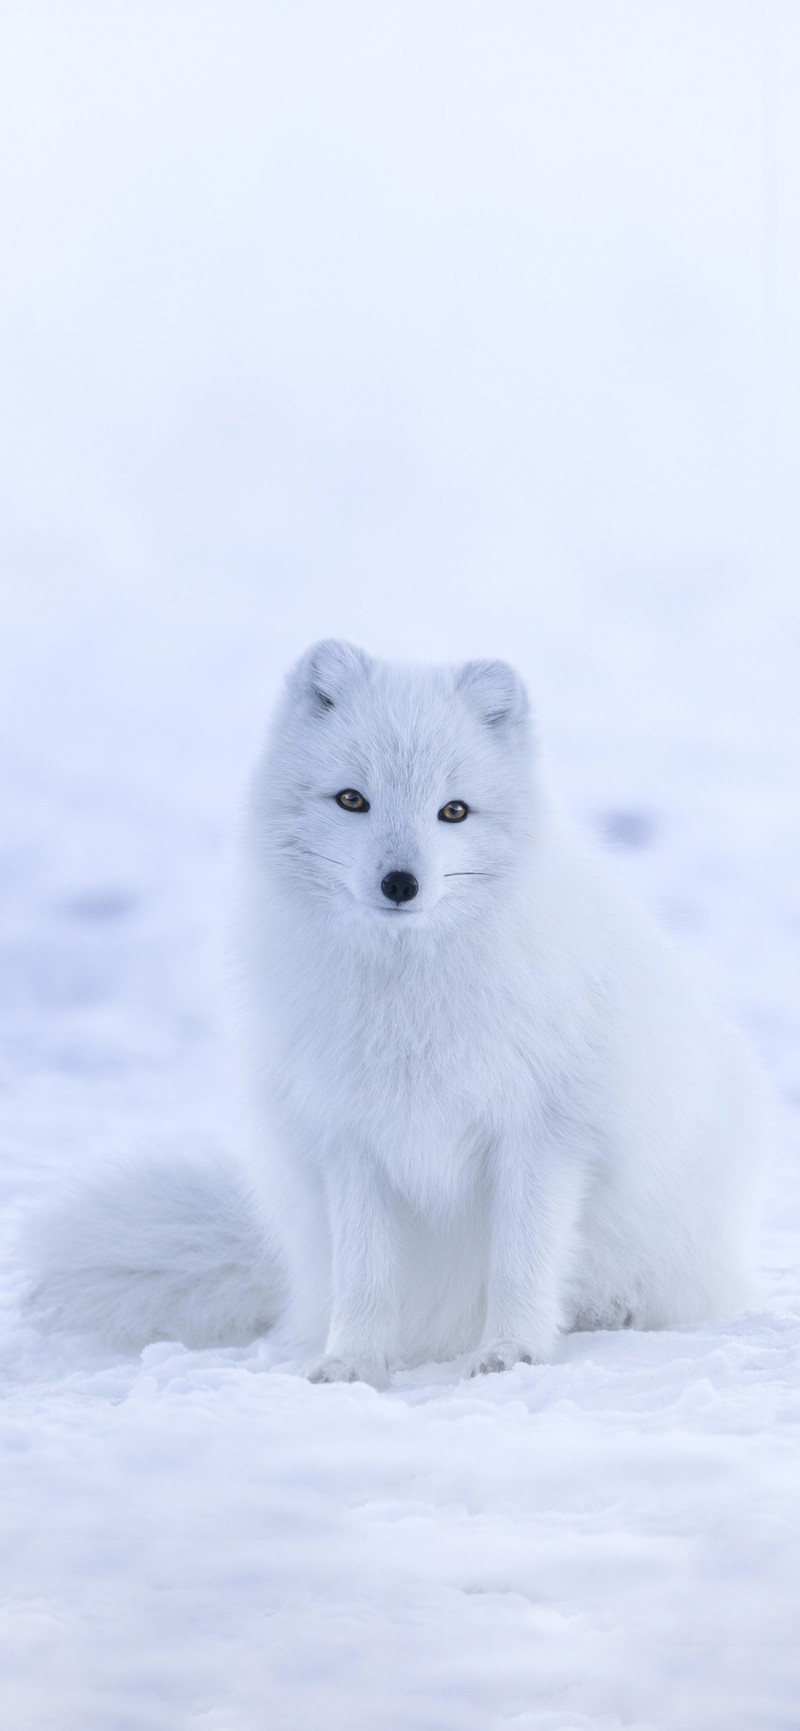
pixel 439 328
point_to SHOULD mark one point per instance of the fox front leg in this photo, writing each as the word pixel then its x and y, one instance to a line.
pixel 364 1256
pixel 535 1198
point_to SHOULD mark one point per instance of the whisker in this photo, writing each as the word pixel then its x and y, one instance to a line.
pixel 469 874
pixel 310 854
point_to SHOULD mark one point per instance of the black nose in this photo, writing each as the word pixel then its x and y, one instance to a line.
pixel 399 887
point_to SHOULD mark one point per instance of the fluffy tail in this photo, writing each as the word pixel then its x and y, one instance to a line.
pixel 156 1249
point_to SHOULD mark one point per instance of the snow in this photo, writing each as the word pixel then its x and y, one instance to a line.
pixel 440 328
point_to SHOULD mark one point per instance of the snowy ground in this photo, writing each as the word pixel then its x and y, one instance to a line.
pixel 202 1538
pixel 415 403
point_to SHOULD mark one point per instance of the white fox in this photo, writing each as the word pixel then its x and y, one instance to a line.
pixel 487 1107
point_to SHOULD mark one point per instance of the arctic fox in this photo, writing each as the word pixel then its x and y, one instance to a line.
pixel 486 1105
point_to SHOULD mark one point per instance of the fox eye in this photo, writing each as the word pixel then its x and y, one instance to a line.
pixel 350 800
pixel 454 812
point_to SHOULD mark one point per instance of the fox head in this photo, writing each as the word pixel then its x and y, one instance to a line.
pixel 400 794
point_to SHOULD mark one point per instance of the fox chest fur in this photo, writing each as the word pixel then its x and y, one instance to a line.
pixel 417 1061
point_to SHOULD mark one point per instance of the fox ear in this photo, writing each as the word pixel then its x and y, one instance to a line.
pixel 495 690
pixel 325 672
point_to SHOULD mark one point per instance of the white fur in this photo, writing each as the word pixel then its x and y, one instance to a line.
pixel 498 1111
pixel 494 1113
pixel 162 1247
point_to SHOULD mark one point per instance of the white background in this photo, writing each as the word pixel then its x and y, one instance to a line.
pixel 457 329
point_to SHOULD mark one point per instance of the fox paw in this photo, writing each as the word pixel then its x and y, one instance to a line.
pixel 500 1355
pixel 349 1370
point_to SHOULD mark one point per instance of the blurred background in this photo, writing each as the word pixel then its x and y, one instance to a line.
pixel 453 328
